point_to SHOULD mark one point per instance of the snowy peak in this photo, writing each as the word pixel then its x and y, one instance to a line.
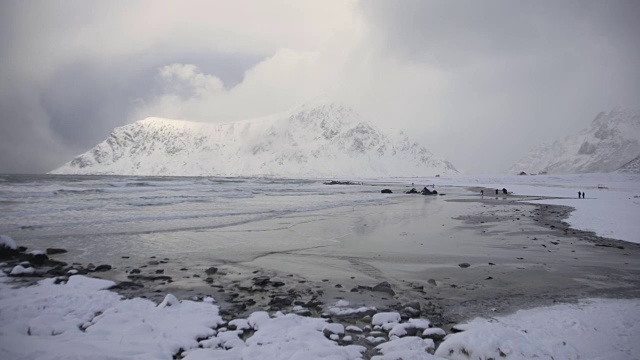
pixel 311 140
pixel 611 141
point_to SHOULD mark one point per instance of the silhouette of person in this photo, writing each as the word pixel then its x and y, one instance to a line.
pixel 583 194
pixel 482 193
pixel 497 191
pixel 579 194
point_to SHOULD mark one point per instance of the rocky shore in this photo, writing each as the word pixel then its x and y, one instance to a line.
pixel 367 315
pixel 241 300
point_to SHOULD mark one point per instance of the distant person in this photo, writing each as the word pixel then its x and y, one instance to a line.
pixel 579 195
pixel 504 191
pixel 482 193
pixel 583 194
pixel 497 191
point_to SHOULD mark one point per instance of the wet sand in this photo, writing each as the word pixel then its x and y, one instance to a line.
pixel 519 255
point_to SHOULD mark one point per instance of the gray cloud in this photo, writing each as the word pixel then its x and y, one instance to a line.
pixel 461 76
pixel 514 73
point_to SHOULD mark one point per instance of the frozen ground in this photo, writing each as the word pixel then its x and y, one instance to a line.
pixel 80 319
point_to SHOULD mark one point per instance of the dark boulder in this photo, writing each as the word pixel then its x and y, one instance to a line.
pixel 212 270
pixel 386 191
pixel 426 191
pixel 38 259
pixel 412 191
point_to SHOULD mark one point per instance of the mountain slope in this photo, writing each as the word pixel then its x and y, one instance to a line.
pixel 632 167
pixel 313 140
pixel 610 142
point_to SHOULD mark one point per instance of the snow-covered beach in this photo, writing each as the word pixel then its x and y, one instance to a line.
pixel 454 257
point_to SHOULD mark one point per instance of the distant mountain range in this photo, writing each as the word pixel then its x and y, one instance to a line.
pixel 313 140
pixel 610 143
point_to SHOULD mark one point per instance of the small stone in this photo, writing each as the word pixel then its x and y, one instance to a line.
pixel 126 285
pixel 384 287
pixel 261 280
pixel 464 265
pixel 281 300
pixel 103 267
pixel 134 271
pixel 212 270
pixel 53 251
pixel 160 271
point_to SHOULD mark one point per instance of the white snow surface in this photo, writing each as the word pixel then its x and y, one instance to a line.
pixel 611 211
pixel 7 242
pixel 383 318
pixel 21 270
pixel 284 337
pixel 591 329
pixel 609 143
pixel 410 347
pixel 318 140
pixel 81 320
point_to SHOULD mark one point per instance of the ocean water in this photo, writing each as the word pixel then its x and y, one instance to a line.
pixel 95 216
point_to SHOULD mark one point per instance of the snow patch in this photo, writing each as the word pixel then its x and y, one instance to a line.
pixel 7 242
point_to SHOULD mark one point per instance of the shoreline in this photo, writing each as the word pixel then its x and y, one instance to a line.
pixel 451 297
pixel 442 262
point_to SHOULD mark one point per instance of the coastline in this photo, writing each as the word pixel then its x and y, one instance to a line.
pixel 536 261
pixel 518 255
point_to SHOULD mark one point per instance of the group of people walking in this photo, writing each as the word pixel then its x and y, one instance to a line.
pixel 580 194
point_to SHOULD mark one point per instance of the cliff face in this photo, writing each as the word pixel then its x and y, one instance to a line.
pixel 318 140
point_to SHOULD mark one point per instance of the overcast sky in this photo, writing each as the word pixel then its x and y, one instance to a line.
pixel 478 82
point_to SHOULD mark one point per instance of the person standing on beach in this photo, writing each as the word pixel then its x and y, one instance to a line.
pixel 583 194
pixel 482 193
pixel 579 194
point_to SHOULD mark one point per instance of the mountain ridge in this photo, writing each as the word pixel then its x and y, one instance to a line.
pixel 611 140
pixel 311 140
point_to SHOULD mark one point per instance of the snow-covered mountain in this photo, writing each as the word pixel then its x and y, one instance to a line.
pixel 312 140
pixel 610 142
pixel 632 167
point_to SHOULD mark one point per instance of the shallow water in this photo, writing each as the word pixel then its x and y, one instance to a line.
pixel 99 215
